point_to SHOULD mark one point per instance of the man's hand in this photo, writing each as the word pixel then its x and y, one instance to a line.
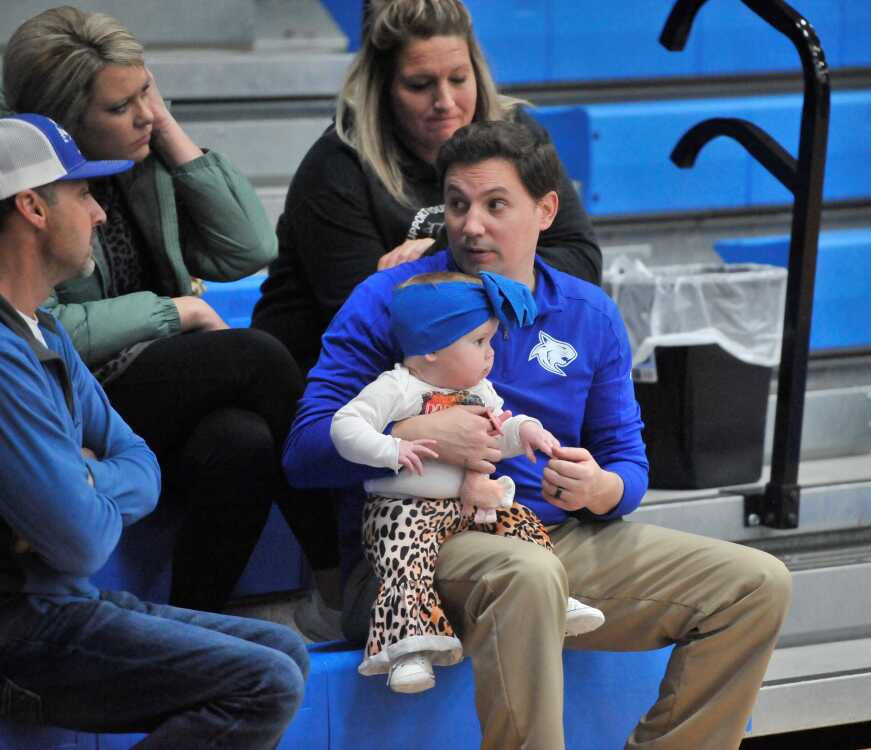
pixel 88 454
pixel 573 480
pixel 496 421
pixel 533 437
pixel 462 434
pixel 20 545
pixel 196 314
pixel 408 250
pixel 410 452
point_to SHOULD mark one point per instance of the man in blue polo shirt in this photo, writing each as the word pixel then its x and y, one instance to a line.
pixel 719 603
pixel 72 476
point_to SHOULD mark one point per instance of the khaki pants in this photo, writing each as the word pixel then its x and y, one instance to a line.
pixel 721 604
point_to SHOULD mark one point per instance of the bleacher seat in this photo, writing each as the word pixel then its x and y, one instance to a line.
pixel 606 694
pixel 587 40
pixel 234 300
pixel 843 281
pixel 619 153
pixel 142 561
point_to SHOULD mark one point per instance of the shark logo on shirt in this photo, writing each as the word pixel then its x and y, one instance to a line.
pixel 553 354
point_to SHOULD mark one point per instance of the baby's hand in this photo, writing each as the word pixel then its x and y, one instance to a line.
pixel 410 452
pixel 534 437
pixel 481 491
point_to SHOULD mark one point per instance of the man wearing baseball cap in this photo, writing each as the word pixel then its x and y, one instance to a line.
pixel 72 475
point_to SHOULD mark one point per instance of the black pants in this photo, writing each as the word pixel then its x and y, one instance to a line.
pixel 215 407
pixel 301 335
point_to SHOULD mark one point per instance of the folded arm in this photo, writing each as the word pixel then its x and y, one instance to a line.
pixel 69 509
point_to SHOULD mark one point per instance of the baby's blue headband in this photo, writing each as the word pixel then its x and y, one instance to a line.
pixel 428 317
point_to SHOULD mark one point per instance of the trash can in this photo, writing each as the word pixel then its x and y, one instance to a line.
pixel 704 339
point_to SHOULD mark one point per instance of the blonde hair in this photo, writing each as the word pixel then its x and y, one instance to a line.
pixel 364 107
pixel 52 59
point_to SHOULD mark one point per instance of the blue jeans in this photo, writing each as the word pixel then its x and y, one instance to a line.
pixel 116 664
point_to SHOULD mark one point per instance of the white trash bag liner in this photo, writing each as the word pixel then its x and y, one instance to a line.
pixel 738 306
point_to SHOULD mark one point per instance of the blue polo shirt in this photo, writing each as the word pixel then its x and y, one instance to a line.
pixel 570 369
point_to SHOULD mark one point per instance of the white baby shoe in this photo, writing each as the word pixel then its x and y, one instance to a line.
pixel 581 618
pixel 411 673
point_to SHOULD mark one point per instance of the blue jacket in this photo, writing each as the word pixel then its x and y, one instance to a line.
pixel 50 406
pixel 571 370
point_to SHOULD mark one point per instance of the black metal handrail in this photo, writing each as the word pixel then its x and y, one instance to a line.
pixel 777 505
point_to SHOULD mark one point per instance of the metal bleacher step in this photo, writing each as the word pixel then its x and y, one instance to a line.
pixel 828 557
pixel 824 684
pixel 820 673
pixel 267 142
pixel 282 25
pixel 296 51
pixel 829 554
pixel 217 23
pixel 830 595
pixel 263 106
pixel 837 422
pixel 836 495
pixel 217 75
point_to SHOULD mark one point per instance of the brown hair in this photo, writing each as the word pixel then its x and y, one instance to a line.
pixel 532 153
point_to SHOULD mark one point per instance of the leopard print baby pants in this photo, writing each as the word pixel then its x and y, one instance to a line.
pixel 402 538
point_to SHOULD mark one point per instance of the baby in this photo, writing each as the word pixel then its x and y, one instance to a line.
pixel 444 323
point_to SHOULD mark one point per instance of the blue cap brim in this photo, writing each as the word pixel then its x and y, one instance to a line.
pixel 89 169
